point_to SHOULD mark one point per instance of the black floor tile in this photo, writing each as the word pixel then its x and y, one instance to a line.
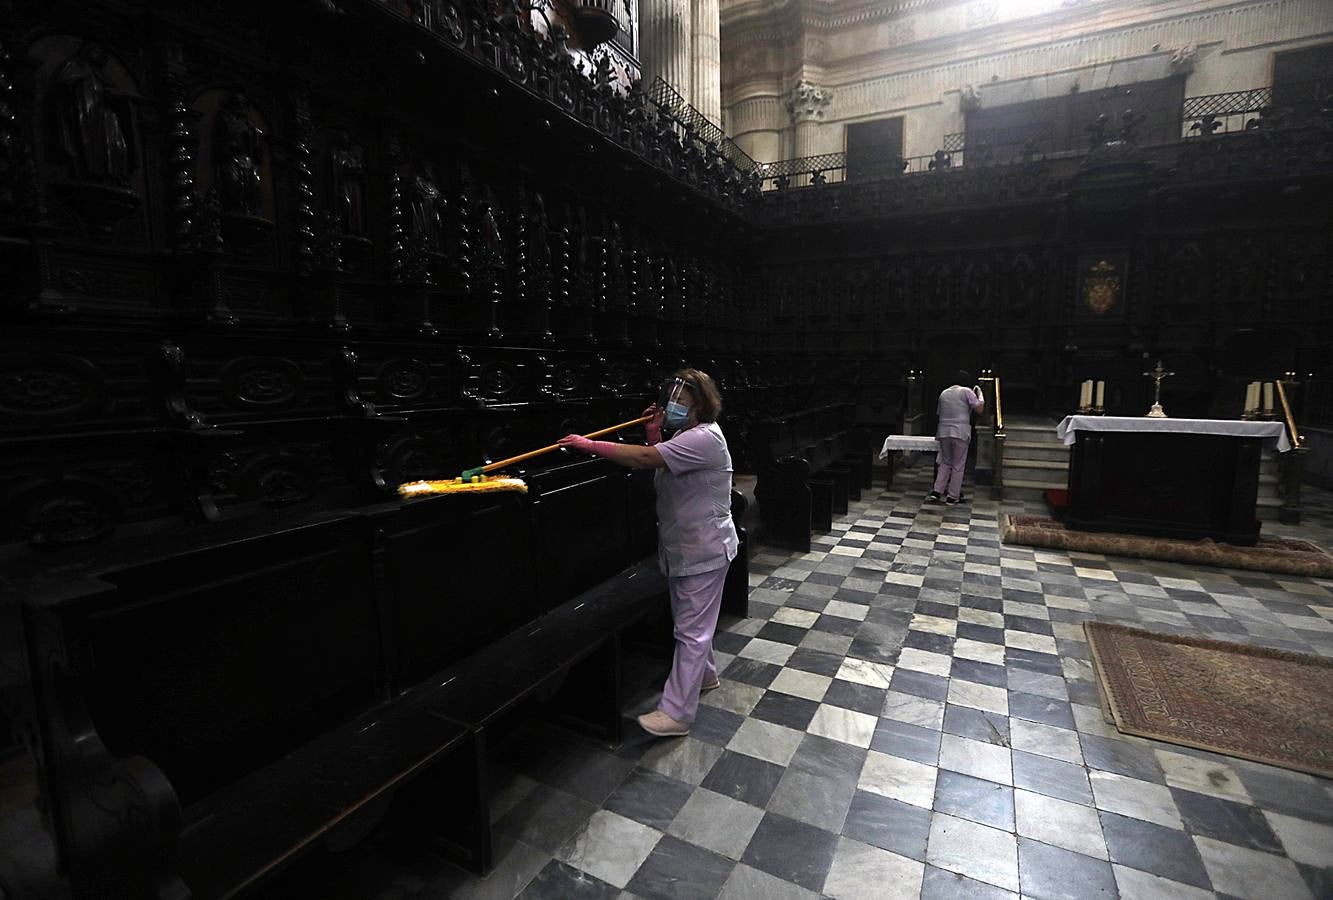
pixel 899 590
pixel 815 661
pixel 865 598
pixel 1044 775
pixel 715 726
pixel 1319 880
pixel 939 610
pixel 889 824
pixel 836 625
pixel 831 759
pixel 977 724
pixel 791 850
pixel 649 798
pixel 730 642
pixel 989 604
pixel 1121 757
pixel 752 671
pixel 1056 874
pixel 1044 663
pixel 930 642
pixel 1235 823
pixel 1287 793
pixel 913 742
pixel 939 884
pixel 919 684
pixel 808 602
pixel 677 870
pixel 975 799
pixel 784 709
pixel 782 633
pixel 1036 708
pixel 980 672
pixel 862 648
pixel 860 697
pixel 1154 849
pixel 974 632
pixel 1030 625
pixel 558 881
pixel 1084 693
pixel 742 777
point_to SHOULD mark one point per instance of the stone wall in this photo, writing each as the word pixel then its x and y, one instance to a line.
pixel 916 58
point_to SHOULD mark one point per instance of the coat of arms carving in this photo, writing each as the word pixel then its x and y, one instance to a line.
pixel 1101 287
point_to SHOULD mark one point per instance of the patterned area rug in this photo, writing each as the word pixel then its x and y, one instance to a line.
pixel 1272 706
pixel 1289 557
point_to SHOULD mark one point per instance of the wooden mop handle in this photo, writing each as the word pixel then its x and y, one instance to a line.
pixel 522 457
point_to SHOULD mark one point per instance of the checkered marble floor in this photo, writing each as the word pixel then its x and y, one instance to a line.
pixel 911 712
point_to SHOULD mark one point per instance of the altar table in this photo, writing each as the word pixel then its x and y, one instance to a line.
pixel 905 443
pixel 1178 478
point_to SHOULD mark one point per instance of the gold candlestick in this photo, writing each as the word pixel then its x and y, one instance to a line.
pixel 1157 374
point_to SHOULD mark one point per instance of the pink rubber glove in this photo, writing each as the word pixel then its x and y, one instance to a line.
pixel 653 428
pixel 581 443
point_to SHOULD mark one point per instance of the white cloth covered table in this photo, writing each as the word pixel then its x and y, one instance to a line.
pixel 1268 430
pixel 920 443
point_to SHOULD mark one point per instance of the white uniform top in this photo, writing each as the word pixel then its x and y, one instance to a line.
pixel 955 412
pixel 695 533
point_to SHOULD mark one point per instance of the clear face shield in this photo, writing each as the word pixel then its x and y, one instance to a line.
pixel 674 399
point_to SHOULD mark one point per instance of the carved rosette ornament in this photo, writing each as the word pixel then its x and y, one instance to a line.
pixel 807 102
pixel 1182 59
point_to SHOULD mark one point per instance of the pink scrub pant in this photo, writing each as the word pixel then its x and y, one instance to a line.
pixel 695 603
pixel 952 460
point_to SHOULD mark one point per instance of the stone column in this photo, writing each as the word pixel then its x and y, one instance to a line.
pixel 664 43
pixel 706 81
pixel 806 103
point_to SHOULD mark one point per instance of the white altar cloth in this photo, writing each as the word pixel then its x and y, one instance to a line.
pixel 1267 430
pixel 920 443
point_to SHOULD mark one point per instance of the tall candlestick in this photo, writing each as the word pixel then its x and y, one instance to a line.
pixel 1101 395
pixel 1085 395
pixel 1268 396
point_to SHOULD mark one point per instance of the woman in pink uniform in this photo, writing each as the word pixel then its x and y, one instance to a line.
pixel 696 537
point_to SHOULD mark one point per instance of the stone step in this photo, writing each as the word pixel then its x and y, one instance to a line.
pixel 1021 467
pixel 1035 484
pixel 1039 434
pixel 1034 450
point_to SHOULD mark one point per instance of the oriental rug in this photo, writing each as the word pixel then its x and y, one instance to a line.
pixel 1271 706
pixel 1282 555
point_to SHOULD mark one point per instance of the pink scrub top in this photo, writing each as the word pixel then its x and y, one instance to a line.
pixel 695 533
pixel 955 412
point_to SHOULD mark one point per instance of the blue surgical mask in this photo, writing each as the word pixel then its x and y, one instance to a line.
pixel 676 416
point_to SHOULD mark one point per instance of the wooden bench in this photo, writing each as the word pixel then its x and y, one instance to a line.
pixel 810 465
pixel 206 714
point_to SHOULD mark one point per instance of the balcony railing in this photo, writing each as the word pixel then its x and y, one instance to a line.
pixel 1206 116
pixel 689 123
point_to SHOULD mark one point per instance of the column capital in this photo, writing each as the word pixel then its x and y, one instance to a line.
pixel 807 101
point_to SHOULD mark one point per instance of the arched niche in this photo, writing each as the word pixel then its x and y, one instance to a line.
pixel 233 163
pixel 87 130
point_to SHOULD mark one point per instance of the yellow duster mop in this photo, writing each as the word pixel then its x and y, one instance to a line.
pixel 476 479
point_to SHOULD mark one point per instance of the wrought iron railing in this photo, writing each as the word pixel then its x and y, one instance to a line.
pixel 1203 116
pixel 689 122
pixel 1213 114
pixel 831 168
